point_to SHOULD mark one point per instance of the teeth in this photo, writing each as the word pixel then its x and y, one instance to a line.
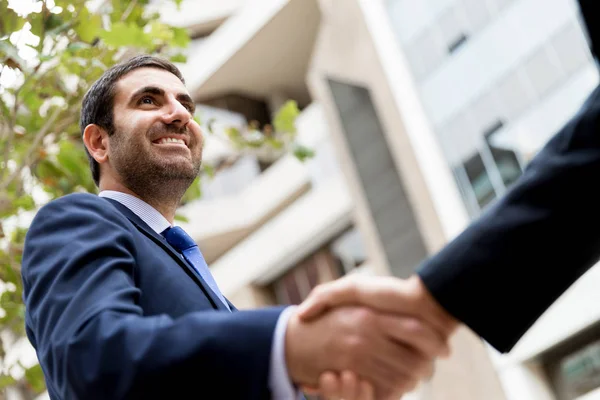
pixel 171 140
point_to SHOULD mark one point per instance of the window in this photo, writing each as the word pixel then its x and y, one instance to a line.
pixel 479 180
pixel 457 43
pixel 382 185
pixel 453 27
pixel 349 250
pixel 506 160
pixel 573 367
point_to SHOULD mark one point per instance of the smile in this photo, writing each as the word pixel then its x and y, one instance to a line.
pixel 170 140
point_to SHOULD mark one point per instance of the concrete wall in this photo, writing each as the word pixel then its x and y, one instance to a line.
pixel 345 51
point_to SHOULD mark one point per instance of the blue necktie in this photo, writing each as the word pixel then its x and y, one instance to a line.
pixel 183 243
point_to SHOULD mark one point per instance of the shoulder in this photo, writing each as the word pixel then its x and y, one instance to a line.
pixel 76 211
pixel 76 204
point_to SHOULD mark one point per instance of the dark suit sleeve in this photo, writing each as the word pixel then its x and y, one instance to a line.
pixel 590 10
pixel 511 264
pixel 92 338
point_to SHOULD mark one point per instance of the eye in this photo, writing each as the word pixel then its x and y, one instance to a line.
pixel 146 100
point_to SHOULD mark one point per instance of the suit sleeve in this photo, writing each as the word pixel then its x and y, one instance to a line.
pixel 511 264
pixel 93 339
pixel 589 13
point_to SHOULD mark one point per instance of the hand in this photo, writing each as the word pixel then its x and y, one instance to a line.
pixel 393 353
pixel 385 294
pixel 344 386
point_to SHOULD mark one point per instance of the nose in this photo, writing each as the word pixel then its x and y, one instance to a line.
pixel 176 113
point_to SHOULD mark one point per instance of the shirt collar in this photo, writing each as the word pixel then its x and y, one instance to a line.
pixel 145 211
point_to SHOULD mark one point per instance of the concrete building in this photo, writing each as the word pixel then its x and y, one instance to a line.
pixel 421 115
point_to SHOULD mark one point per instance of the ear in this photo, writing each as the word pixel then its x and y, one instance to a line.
pixel 95 139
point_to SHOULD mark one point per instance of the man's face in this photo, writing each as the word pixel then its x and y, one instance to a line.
pixel 155 140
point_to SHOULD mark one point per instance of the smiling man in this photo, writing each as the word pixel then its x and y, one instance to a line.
pixel 120 304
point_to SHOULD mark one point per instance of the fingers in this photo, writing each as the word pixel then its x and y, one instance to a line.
pixel 365 391
pixel 349 387
pixel 416 334
pixel 346 386
pixel 345 291
pixel 330 386
pixel 385 294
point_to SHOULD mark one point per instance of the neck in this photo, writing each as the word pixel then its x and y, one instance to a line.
pixel 162 201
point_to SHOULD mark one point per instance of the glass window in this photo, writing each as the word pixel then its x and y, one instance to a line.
pixel 506 160
pixel 480 180
pixel 452 25
pixel 349 249
pixel 573 366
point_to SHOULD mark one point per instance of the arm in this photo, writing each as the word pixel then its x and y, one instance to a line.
pixel 92 338
pixel 589 12
pixel 539 238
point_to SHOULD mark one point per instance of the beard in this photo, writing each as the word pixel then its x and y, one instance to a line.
pixel 154 175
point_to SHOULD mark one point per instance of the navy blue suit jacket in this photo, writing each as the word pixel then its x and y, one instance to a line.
pixel 114 312
pixel 511 264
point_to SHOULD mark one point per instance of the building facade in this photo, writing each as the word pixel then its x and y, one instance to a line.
pixel 421 115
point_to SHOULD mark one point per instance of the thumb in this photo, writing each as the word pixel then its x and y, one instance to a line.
pixel 328 295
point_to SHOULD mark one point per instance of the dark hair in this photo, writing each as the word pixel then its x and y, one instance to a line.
pixel 97 106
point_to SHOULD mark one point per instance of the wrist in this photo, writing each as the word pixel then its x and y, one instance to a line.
pixel 437 313
pixel 294 367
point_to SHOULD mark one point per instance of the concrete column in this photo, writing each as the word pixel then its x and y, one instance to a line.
pixel 525 381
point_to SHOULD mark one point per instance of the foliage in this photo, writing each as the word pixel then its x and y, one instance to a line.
pixel 50 57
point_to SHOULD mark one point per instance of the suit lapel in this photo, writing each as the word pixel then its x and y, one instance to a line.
pixel 160 241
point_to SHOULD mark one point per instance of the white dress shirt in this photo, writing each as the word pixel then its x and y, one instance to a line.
pixel 279 381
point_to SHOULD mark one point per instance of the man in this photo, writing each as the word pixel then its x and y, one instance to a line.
pixel 121 305
pixel 539 238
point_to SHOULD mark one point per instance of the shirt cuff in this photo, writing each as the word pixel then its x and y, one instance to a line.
pixel 281 386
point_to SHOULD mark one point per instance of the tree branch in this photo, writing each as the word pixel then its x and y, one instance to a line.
pixel 129 9
pixel 26 161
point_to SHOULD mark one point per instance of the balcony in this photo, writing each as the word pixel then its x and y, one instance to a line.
pixel 241 200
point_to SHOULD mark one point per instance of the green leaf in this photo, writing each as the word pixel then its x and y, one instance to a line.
pixel 274 143
pixel 303 153
pixel 178 58
pixel 89 26
pixel 122 34
pixel 25 203
pixel 181 37
pixel 36 20
pixel 178 4
pixel 194 192
pixel 160 31
pixel 48 172
pixel 6 381
pixel 181 218
pixel 10 21
pixel 53 21
pixel 285 119
pixel 209 170
pixel 35 377
pixel 32 100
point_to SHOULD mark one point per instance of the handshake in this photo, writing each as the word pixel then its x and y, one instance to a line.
pixel 364 338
